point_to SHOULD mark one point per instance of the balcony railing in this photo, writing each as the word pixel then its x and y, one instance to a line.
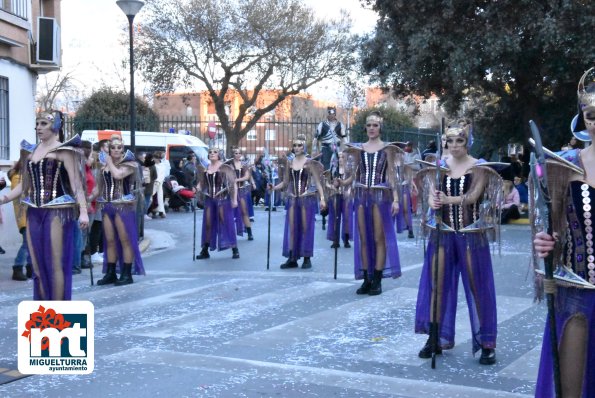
pixel 15 7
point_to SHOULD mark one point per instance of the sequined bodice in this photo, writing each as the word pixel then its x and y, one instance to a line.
pixel 372 169
pixel 215 184
pixel 49 180
pixel 298 181
pixel 579 253
pixel 114 189
pixel 457 216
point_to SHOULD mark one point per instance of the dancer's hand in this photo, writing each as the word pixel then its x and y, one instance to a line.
pixel 544 244
pixel 394 208
pixel 84 220
pixel 437 199
pixel 322 204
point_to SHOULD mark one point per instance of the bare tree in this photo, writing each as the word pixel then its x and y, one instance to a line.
pixel 55 88
pixel 242 46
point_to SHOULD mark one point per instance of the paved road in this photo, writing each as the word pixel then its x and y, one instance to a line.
pixel 223 327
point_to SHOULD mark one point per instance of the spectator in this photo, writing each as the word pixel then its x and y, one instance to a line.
pixel 510 206
pixel 149 178
pixel 162 168
pixel 521 187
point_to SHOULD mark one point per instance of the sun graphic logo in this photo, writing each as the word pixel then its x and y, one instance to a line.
pixel 56 337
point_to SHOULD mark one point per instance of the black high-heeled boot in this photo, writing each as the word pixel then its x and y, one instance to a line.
pixel 17 273
pixel 346 241
pixel 110 276
pixel 306 264
pixel 290 263
pixel 204 253
pixel 365 287
pixel 236 252
pixel 125 275
pixel 249 230
pixel 376 287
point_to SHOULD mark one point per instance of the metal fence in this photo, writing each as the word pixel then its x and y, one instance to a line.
pixel 276 135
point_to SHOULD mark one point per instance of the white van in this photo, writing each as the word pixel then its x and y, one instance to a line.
pixel 175 146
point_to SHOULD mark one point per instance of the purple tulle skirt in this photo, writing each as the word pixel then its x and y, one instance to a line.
pixel 127 213
pixel 467 255
pixel 404 218
pixel 368 199
pixel 344 218
pixel 300 239
pixel 39 229
pixel 223 229
pixel 244 194
pixel 569 302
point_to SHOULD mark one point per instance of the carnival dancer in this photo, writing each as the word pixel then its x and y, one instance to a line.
pixel 117 190
pixel 372 168
pixel 52 186
pixel 301 181
pixel 217 185
pixel 340 204
pixel 408 191
pixel 571 183
pixel 469 205
pixel 244 190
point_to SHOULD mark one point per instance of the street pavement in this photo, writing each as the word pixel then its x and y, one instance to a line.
pixel 232 328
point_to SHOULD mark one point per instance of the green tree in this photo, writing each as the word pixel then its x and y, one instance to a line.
pixel 515 60
pixel 394 123
pixel 108 109
pixel 243 47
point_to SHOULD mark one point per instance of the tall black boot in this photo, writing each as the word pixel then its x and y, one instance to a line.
pixel 29 269
pixel 249 230
pixel 323 222
pixel 204 253
pixel 376 287
pixel 306 263
pixel 290 263
pixel 410 234
pixel 110 275
pixel 236 252
pixel 365 287
pixel 125 275
pixel 346 241
pixel 426 351
pixel 17 273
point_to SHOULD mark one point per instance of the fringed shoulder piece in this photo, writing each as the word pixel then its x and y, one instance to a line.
pixel 27 147
pixel 486 186
pixel 425 180
pixel 230 177
pixel 560 175
pixel 316 169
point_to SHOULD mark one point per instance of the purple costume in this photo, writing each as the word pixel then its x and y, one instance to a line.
pixel 575 276
pixel 218 188
pixel 301 206
pixel 49 197
pixel 118 201
pixel 374 181
pixel 244 190
pixel 465 239
pixel 340 211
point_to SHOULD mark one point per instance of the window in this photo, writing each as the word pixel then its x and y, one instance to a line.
pixel 251 136
pixel 16 7
pixel 269 135
pixel 4 137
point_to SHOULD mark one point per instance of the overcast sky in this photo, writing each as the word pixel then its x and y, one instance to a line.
pixel 92 31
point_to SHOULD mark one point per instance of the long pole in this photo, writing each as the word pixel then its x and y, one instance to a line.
pixel 132 103
pixel 540 174
pixel 434 328
pixel 194 236
pixel 337 227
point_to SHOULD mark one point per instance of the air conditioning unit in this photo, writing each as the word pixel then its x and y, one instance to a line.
pixel 48 41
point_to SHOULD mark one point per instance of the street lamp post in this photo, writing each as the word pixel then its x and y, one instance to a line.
pixel 131 8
